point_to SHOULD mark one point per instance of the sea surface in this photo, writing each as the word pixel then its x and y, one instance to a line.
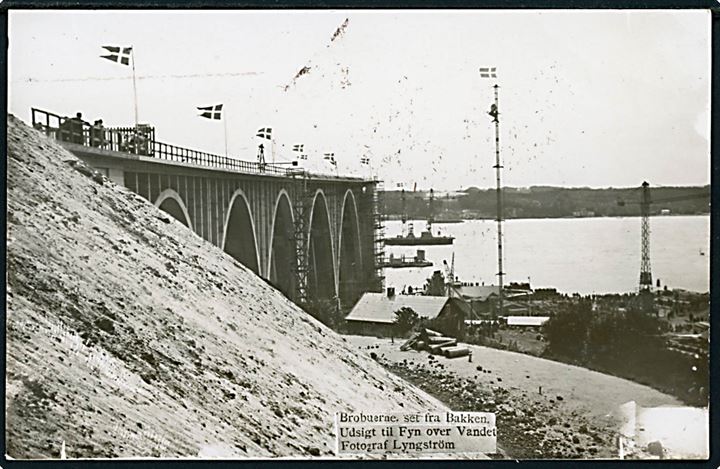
pixel 574 255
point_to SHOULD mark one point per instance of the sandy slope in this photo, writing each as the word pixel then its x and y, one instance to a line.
pixel 128 335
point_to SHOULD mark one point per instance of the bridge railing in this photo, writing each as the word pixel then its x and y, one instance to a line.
pixel 141 141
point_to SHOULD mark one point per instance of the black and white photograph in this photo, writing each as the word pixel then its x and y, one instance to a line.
pixel 358 234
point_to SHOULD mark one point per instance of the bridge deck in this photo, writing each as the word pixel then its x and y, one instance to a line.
pixel 139 144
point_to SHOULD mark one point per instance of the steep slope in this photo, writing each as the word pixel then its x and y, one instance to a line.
pixel 128 335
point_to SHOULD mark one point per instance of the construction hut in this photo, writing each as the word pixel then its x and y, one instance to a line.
pixel 375 315
pixel 480 298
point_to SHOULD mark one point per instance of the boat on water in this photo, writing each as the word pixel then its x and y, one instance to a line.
pixel 402 262
pixel 426 238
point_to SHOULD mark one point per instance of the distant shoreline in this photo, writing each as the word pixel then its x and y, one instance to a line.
pixel 568 217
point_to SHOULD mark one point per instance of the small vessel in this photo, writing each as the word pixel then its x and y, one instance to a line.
pixel 448 220
pixel 400 262
pixel 426 238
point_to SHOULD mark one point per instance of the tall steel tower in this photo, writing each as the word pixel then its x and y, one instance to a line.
pixel 645 293
pixel 645 273
pixel 491 72
pixel 495 113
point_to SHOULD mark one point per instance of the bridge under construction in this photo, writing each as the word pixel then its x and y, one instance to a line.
pixel 315 237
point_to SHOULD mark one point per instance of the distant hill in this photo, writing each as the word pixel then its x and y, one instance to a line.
pixel 552 202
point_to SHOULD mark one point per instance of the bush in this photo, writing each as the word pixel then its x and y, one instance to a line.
pixel 627 344
pixel 405 320
pixel 327 312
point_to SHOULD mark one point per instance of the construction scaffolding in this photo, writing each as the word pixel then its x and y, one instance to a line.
pixel 378 218
pixel 301 201
pixel 645 291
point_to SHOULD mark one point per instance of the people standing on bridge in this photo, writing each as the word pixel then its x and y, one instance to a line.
pixel 97 134
pixel 75 127
pixel 261 157
pixel 65 130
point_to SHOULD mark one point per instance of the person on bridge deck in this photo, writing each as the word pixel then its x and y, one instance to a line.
pixel 64 130
pixel 75 128
pixel 97 134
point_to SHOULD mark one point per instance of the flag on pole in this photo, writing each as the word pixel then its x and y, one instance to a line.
pixel 331 158
pixel 117 54
pixel 265 132
pixel 299 149
pixel 124 56
pixel 365 160
pixel 400 185
pixel 488 72
pixel 211 112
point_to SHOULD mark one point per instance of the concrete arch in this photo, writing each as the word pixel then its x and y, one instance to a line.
pixel 174 206
pixel 349 252
pixel 351 195
pixel 281 267
pixel 321 269
pixel 241 243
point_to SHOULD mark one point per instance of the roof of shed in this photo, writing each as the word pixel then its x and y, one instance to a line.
pixel 378 307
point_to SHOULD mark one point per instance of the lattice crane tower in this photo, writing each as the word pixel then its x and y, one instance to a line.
pixel 645 272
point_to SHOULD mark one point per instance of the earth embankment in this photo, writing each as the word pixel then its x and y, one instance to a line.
pixel 130 336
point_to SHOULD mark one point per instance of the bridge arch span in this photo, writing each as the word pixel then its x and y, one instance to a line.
pixel 321 254
pixel 171 203
pixel 282 260
pixel 239 239
pixel 349 264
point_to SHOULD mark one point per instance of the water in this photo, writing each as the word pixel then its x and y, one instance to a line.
pixel 583 255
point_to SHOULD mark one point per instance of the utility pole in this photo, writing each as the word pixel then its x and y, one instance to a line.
pixel 495 113
pixel 645 272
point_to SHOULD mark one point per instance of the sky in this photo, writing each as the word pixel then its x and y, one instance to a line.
pixel 587 98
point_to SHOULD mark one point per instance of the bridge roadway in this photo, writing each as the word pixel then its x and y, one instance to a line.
pixel 312 236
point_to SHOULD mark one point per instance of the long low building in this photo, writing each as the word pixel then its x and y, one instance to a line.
pixel 374 313
pixel 526 321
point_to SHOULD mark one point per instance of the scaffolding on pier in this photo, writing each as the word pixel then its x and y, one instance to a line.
pixel 301 201
pixel 378 220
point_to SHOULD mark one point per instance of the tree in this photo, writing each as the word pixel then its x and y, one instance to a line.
pixel 327 312
pixel 567 330
pixel 405 320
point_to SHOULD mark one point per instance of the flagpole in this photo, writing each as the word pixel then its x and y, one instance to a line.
pixel 135 100
pixel 499 194
pixel 132 48
pixel 225 126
